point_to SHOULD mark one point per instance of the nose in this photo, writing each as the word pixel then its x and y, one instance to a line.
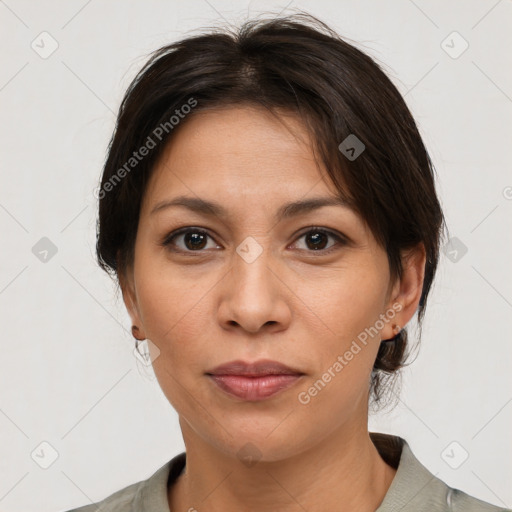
pixel 254 296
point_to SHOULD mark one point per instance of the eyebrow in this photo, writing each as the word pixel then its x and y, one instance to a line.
pixel 288 210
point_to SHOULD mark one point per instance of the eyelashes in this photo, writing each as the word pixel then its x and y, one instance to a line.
pixel 198 240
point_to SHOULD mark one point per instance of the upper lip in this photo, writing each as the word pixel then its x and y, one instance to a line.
pixel 254 369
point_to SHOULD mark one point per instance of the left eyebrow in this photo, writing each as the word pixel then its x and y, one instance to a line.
pixel 286 211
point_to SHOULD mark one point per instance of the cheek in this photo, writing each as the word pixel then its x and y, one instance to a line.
pixel 174 319
pixel 169 297
pixel 348 302
pixel 349 307
pixel 341 383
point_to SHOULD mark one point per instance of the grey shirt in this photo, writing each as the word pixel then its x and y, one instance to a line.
pixel 413 489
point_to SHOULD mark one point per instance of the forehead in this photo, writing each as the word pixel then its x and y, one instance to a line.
pixel 241 129
pixel 237 148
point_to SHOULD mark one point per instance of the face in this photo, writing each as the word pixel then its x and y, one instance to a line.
pixel 246 283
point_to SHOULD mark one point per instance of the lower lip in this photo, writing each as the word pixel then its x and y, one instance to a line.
pixel 254 388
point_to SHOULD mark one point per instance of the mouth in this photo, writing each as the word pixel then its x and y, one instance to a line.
pixel 254 381
pixel 254 388
pixel 254 369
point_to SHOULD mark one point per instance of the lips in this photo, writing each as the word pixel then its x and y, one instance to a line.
pixel 254 381
pixel 255 369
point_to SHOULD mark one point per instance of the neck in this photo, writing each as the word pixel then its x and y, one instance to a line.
pixel 344 472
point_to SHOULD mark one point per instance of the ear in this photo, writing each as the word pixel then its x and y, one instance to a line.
pixel 127 285
pixel 406 292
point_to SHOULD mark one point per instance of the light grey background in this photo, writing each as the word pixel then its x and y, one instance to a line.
pixel 68 374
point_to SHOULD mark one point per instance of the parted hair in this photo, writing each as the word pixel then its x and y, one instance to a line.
pixel 295 64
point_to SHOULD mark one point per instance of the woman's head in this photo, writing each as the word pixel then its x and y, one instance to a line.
pixel 282 112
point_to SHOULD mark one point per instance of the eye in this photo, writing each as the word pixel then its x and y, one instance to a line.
pixel 193 239
pixel 316 239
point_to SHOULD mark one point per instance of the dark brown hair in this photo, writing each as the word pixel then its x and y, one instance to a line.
pixel 299 65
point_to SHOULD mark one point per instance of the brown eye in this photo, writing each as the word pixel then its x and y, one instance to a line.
pixel 316 239
pixel 193 240
pixel 190 239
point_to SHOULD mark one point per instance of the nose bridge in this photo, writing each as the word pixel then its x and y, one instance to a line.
pixel 253 253
pixel 251 261
pixel 251 250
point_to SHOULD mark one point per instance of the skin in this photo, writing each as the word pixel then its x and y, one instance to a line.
pixel 293 304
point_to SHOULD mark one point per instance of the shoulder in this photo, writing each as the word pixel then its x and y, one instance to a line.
pixel 149 494
pixel 119 501
pixel 415 489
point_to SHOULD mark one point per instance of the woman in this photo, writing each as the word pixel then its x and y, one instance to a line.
pixel 270 211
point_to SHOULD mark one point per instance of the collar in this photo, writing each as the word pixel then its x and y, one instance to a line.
pixel 413 489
